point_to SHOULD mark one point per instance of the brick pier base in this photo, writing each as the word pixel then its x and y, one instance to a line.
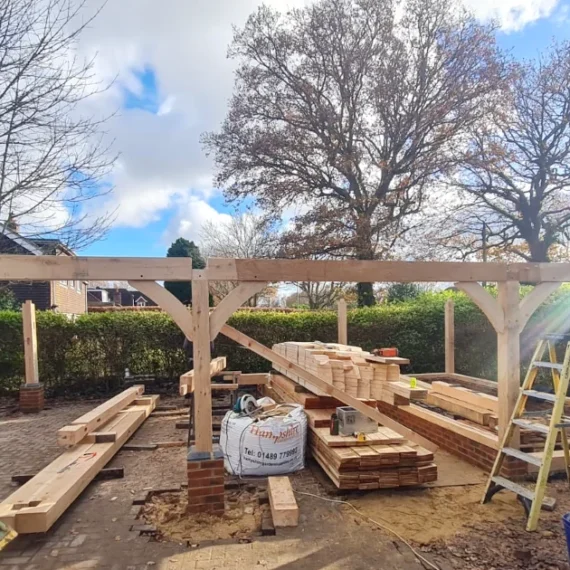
pixel 31 398
pixel 471 451
pixel 206 482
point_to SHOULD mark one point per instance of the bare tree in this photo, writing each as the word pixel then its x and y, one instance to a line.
pixel 247 235
pixel 319 295
pixel 350 112
pixel 52 156
pixel 515 185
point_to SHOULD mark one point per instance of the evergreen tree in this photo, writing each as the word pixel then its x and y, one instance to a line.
pixel 184 248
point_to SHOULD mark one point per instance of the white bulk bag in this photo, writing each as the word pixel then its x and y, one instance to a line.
pixel 270 446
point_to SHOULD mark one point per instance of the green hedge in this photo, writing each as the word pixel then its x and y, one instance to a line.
pixel 90 354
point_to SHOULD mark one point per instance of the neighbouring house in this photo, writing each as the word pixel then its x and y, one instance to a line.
pixel 117 297
pixel 67 297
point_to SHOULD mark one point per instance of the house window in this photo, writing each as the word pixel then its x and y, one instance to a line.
pixel 63 283
pixel 78 286
pixel 141 302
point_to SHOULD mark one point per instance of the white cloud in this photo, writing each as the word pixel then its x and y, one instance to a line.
pixel 185 42
pixel 512 15
pixel 190 214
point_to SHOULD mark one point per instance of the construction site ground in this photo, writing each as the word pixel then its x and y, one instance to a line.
pixel 446 524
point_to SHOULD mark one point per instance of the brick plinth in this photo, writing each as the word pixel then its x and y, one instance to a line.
pixel 471 451
pixel 205 482
pixel 31 398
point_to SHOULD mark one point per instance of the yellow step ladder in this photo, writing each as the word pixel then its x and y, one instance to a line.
pixel 533 501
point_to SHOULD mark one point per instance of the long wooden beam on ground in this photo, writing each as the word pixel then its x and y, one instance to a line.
pixel 93 420
pixel 187 379
pixel 37 505
pixel 53 268
pixel 369 412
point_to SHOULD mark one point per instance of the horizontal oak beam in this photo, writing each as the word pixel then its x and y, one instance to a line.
pixel 53 268
pixel 61 267
pixel 219 269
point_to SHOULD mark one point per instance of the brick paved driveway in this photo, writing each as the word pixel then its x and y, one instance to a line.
pixel 94 532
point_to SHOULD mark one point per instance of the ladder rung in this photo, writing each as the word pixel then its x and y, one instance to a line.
pixel 540 395
pixel 554 336
pixel 547 503
pixel 526 457
pixel 540 364
pixel 539 428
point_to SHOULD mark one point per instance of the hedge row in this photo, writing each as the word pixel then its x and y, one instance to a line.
pixel 90 354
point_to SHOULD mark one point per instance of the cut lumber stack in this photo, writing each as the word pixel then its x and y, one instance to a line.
pixel 480 408
pixel 37 505
pixel 384 459
pixel 349 368
pixel 287 391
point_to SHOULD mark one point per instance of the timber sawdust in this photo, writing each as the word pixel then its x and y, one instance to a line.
pixel 242 519
pixel 427 515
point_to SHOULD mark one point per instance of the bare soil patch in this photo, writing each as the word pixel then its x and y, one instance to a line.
pixel 426 515
pixel 242 519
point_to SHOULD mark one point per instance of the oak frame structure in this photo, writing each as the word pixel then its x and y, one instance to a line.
pixel 507 313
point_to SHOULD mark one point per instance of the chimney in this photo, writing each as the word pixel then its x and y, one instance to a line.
pixel 12 223
pixel 117 297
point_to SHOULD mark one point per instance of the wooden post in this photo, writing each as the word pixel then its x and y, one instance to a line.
pixel 342 322
pixel 30 343
pixel 202 357
pixel 449 325
pixel 508 353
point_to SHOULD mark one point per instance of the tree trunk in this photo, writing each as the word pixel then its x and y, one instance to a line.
pixel 538 250
pixel 365 252
pixel 365 295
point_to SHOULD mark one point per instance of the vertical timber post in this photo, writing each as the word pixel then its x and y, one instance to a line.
pixel 508 354
pixel 205 467
pixel 449 325
pixel 342 322
pixel 202 357
pixel 31 392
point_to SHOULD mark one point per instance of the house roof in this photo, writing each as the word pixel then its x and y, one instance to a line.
pixel 36 246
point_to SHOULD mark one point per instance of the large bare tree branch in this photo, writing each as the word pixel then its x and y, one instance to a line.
pixel 53 158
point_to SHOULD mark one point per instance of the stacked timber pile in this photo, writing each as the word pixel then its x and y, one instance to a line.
pixel 90 441
pixel 476 407
pixel 384 459
pixel 349 368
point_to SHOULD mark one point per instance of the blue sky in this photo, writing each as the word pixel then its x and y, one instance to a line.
pixel 168 92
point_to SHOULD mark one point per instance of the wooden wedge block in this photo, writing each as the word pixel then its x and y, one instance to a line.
pixel 282 501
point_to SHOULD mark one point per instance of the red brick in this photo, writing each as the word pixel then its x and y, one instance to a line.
pixel 203 491
pixel 213 464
